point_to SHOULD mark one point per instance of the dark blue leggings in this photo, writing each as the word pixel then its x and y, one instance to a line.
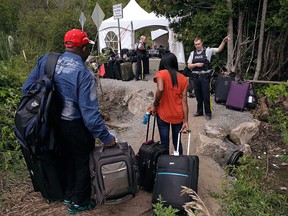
pixel 164 131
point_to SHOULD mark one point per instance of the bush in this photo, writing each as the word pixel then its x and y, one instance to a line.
pixel 10 93
pixel 250 193
pixel 278 114
pixel 160 209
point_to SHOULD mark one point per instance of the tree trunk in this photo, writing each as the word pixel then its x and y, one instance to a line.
pixel 230 42
pixel 237 64
pixel 261 40
pixel 254 40
pixel 267 57
pixel 280 61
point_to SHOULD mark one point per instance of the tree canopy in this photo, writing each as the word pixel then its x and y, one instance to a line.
pixel 210 20
pixel 38 26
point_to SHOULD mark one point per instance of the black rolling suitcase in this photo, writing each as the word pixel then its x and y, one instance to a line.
pixel 173 172
pixel 222 86
pixel 46 172
pixel 114 173
pixel 147 158
pixel 117 70
pixel 109 73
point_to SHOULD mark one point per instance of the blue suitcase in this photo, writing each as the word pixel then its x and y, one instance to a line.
pixel 173 172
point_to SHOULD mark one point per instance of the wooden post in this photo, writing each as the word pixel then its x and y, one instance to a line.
pixel 266 82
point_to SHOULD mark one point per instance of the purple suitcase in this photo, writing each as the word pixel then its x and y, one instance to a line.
pixel 237 95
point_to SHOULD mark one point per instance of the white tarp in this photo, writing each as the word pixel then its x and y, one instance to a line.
pixel 134 18
pixel 158 33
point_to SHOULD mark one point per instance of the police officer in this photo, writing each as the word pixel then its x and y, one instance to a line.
pixel 141 57
pixel 199 62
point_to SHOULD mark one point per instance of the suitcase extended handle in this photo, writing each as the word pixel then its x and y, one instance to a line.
pixel 148 125
pixel 176 153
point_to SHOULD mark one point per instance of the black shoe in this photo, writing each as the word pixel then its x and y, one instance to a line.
pixel 144 79
pixel 198 114
pixel 137 79
pixel 208 117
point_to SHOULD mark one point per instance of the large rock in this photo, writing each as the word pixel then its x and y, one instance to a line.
pixel 244 132
pixel 219 150
pixel 215 132
pixel 138 101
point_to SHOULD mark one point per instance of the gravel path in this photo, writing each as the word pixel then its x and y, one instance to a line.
pixel 211 174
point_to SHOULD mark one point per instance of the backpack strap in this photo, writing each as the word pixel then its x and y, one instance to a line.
pixel 51 64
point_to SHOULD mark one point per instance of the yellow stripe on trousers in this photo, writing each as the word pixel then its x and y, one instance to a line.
pixel 142 69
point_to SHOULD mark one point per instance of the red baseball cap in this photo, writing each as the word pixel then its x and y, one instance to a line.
pixel 76 38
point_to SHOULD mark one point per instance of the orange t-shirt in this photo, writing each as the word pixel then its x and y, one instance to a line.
pixel 170 106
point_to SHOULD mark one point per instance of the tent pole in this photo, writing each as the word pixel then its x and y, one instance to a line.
pixel 132 36
pixel 119 51
pixel 98 47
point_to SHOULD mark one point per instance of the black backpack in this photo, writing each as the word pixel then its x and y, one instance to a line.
pixel 36 112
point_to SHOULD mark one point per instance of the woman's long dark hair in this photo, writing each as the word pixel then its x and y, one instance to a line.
pixel 170 63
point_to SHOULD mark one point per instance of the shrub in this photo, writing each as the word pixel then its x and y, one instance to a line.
pixel 160 209
pixel 10 85
pixel 278 114
pixel 251 193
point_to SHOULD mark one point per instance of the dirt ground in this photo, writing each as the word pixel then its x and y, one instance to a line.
pixel 22 200
pixel 131 130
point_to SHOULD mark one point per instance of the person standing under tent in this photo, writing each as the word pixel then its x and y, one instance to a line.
pixel 141 57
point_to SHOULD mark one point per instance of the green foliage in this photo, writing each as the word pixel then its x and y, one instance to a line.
pixel 274 91
pixel 46 34
pixel 284 133
pixel 9 15
pixel 10 86
pixel 160 209
pixel 278 115
pixel 251 194
pixel 284 158
pixel 5 51
pixel 8 50
pixel 277 14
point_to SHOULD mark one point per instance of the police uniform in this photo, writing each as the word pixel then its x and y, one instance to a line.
pixel 201 78
pixel 141 63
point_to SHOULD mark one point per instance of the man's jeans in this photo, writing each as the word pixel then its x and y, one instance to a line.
pixel 164 131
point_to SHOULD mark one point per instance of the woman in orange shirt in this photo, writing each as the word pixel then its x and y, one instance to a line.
pixel 170 102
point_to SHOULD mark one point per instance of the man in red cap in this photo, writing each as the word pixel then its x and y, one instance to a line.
pixel 80 121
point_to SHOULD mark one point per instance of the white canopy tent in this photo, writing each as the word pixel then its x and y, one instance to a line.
pixel 158 33
pixel 134 18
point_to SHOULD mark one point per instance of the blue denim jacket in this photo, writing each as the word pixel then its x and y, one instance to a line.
pixel 77 87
